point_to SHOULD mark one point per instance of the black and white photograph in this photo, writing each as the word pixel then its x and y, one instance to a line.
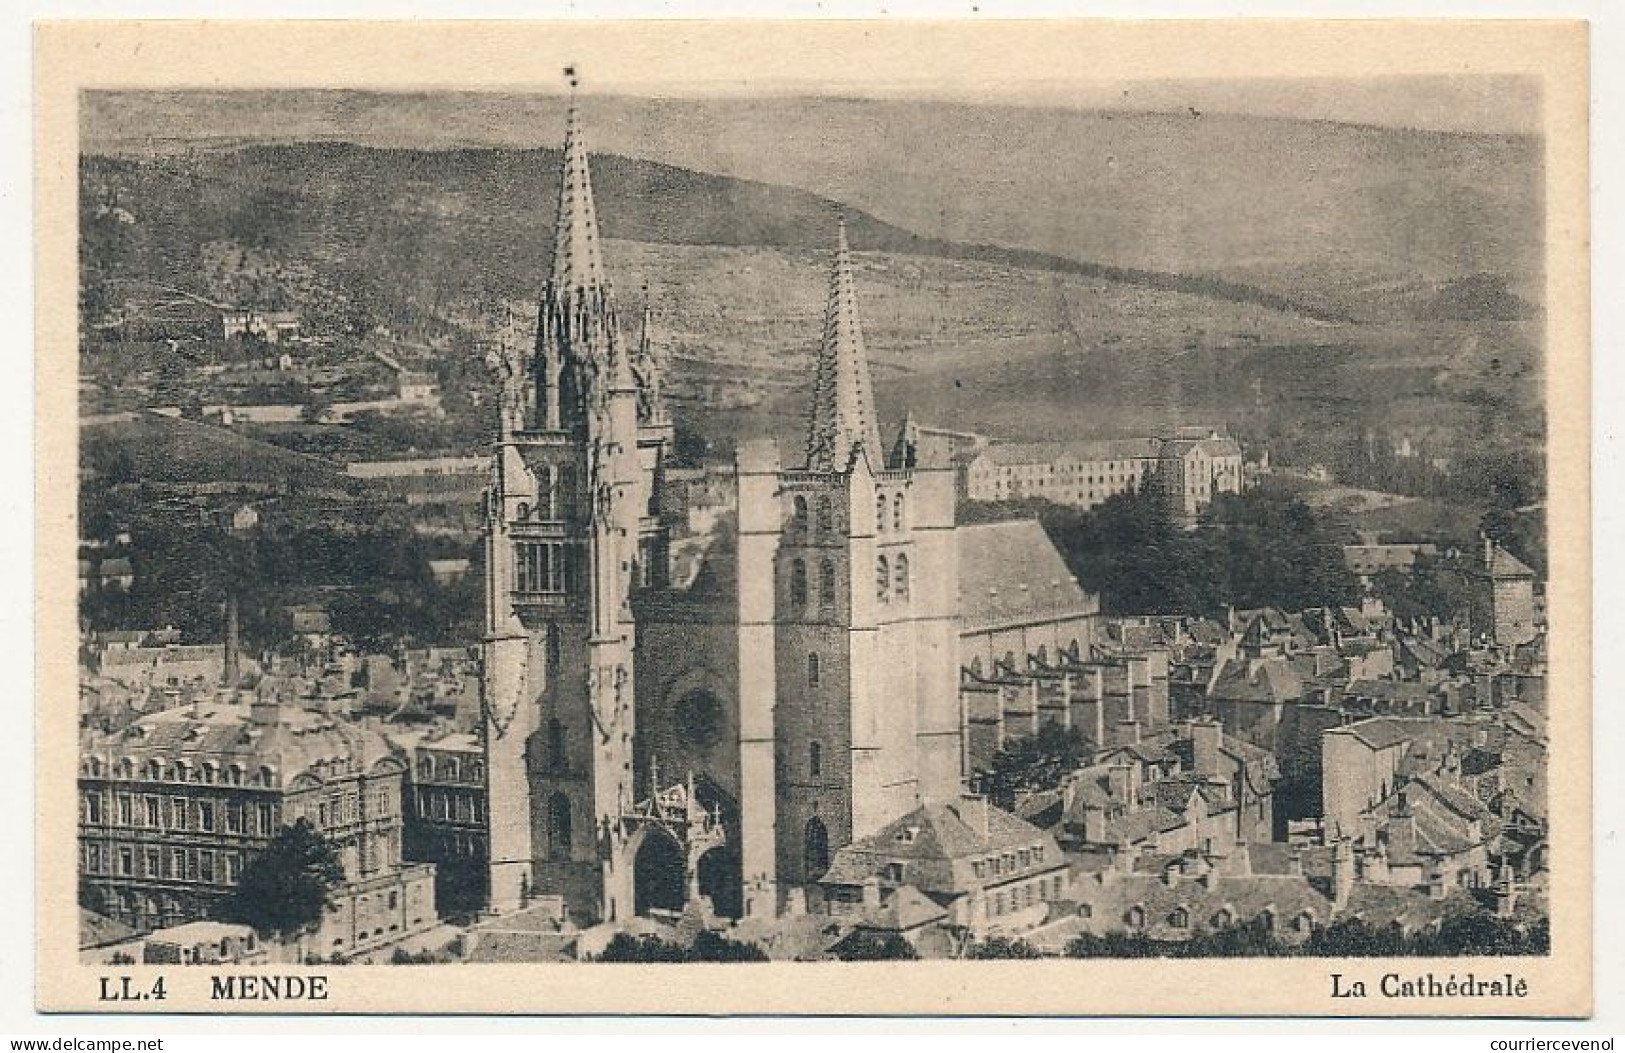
pixel 1098 520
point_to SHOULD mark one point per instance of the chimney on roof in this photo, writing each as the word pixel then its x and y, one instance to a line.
pixel 871 892
pixel 1123 780
pixel 231 671
pixel 1342 872
pixel 1207 736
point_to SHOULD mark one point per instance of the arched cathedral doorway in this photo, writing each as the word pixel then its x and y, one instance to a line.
pixel 659 875
pixel 719 877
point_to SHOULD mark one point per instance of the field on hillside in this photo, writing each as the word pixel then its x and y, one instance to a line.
pixel 1344 214
pixel 153 449
pixel 436 249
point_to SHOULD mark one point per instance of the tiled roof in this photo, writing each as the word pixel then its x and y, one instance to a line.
pixel 299 741
pixel 1267 680
pixel 929 841
pixel 1381 906
pixel 1010 571
pixel 1380 733
pixel 1243 898
pixel 1504 564
pixel 907 908
pixel 1082 450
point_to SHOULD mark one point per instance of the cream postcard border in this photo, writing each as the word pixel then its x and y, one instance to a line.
pixel 899 55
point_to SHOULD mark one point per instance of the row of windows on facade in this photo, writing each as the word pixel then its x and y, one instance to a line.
pixel 146 910
pixel 205 772
pixel 433 843
pixel 183 813
pixel 1091 476
pixel 1008 862
pixel 195 865
pixel 888 513
pixel 1006 901
pixel 1223 918
pixel 342 809
pixel 450 807
pixel 449 769
pixel 891 581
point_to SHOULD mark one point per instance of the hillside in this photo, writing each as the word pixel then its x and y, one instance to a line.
pixel 442 243
pixel 162 450
pixel 1312 210
pixel 333 197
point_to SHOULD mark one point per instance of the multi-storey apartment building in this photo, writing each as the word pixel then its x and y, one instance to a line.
pixel 175 806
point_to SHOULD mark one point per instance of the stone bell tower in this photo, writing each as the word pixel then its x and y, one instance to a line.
pixel 569 513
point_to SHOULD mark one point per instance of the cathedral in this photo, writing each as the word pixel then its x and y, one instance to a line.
pixel 652 738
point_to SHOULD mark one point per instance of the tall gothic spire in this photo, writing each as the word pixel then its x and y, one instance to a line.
pixel 578 361
pixel 578 258
pixel 843 403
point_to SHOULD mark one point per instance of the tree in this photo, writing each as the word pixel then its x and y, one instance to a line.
pixel 1002 947
pixel 1433 588
pixel 1035 762
pixel 646 948
pixel 285 889
pixel 866 945
pixel 708 946
pixel 714 947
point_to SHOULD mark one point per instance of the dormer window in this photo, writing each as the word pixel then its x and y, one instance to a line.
pixel 907 835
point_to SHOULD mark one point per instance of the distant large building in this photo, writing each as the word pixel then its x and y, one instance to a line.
pixel 173 807
pixel 1188 468
pixel 1081 474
